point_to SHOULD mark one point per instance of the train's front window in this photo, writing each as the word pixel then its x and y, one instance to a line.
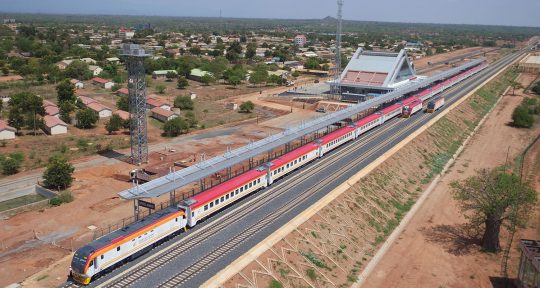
pixel 79 260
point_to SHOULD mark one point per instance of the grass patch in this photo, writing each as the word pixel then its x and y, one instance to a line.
pixel 275 284
pixel 316 261
pixel 20 201
pixel 42 277
pixel 311 274
pixel 64 197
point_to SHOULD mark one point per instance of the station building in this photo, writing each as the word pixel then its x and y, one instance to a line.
pixel 370 74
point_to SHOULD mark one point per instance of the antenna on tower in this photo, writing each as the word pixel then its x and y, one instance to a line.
pixel 336 87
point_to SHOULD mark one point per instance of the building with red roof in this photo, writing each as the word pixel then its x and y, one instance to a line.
pixel 54 126
pixel 122 91
pixel 162 114
pixel 77 83
pixel 153 102
pixel 123 114
pixel 103 83
pixel 100 109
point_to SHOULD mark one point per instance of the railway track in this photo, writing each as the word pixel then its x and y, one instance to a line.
pixel 221 220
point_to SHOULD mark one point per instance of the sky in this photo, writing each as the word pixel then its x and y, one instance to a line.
pixel 490 12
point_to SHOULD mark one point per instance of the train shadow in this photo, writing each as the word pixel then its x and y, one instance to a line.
pixel 457 239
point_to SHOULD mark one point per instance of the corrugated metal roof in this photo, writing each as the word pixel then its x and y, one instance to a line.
pixel 369 63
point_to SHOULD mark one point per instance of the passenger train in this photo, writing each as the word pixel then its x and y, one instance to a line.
pixel 116 248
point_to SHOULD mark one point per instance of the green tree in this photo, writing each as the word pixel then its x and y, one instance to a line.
pixel 182 82
pixel 515 85
pixel 175 127
pixel 247 107
pixel 66 92
pixel 161 89
pixel 86 119
pixel 312 63
pixel 251 50
pixel 59 173
pixel 65 109
pixel 259 76
pixel 114 124
pixel 5 71
pixel 24 109
pixel 521 117
pixel 493 198
pixel 295 74
pixel 78 70
pixel 183 102
pixel 234 51
pixel 123 103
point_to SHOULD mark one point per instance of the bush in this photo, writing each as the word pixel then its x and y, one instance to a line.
pixel 10 166
pixel 182 82
pixel 183 102
pixel 521 118
pixel 114 124
pixel 64 197
pixel 175 127
pixel 247 107
pixel 161 89
pixel 86 119
pixel 536 88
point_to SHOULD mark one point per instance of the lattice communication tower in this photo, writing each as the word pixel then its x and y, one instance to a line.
pixel 134 56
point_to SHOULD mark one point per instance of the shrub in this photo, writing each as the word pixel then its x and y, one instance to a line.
pixel 247 107
pixel 175 127
pixel 64 197
pixel 521 118
pixel 184 103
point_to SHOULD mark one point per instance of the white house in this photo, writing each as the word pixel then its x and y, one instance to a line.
pixel 300 40
pixel 162 114
pixel 153 102
pixel 6 132
pixel 89 61
pixel 64 64
pixel 100 109
pixel 77 83
pixel 114 60
pixel 96 70
pixel 104 83
pixel 162 73
pixel 54 126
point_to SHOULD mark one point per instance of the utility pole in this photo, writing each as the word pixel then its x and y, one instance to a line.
pixel 336 87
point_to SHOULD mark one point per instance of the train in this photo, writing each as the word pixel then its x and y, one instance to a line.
pixel 435 105
pixel 110 251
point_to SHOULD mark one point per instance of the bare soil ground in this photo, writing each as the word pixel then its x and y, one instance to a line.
pixel 426 69
pixel 438 252
pixel 10 78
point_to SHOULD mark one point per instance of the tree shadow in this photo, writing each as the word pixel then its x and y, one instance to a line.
pixel 502 282
pixel 115 155
pixel 458 239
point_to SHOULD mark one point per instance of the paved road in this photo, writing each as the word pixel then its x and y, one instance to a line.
pixel 206 256
pixel 24 185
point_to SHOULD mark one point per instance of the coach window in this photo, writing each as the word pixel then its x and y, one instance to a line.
pixel 192 215
pixel 118 248
pixel 102 256
pixel 211 204
pixel 222 198
pixel 227 197
pixel 236 191
pixel 205 208
pixel 241 189
pixel 216 202
pixel 259 180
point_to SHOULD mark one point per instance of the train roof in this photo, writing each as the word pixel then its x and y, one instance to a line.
pixel 391 108
pixel 118 235
pixel 225 187
pixel 336 134
pixel 295 154
pixel 367 119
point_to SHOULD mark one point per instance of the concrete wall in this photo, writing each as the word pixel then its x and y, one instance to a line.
pixel 7 135
pixel 58 129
